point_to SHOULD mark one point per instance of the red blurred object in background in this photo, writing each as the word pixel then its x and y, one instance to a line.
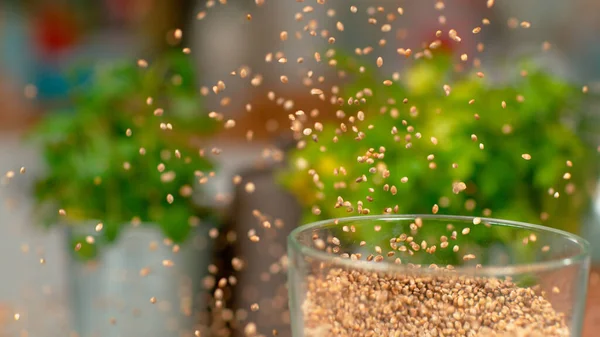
pixel 55 29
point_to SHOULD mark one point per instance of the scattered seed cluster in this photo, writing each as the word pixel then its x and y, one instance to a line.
pixel 343 302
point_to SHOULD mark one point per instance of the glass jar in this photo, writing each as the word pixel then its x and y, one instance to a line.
pixel 418 275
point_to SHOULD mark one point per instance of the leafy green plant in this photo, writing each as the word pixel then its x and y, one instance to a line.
pixel 498 180
pixel 126 142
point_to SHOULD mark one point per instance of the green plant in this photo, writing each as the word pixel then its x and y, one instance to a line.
pixel 498 181
pixel 113 157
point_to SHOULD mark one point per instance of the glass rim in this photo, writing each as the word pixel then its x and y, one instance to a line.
pixel 490 271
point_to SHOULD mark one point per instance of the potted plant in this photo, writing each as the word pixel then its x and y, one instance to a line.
pixel 123 161
pixel 503 150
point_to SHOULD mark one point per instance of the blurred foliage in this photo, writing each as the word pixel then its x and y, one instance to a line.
pixel 95 171
pixel 499 182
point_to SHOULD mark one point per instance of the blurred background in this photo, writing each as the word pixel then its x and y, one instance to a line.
pixel 57 59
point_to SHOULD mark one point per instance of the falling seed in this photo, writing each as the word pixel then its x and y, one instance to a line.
pixel 170 198
pixel 476 30
pixel 525 24
pixel 435 44
pixel 490 3
pixel 178 34
pixel 254 307
pixel 142 63
pixel 17 316
pixel 435 209
pixel 466 231
pixel 379 62
pixel 237 264
pixel 62 212
pixel 468 257
pixel 250 188
pixel 168 263
pixel 447 89
pixel 555 290
pixel 476 221
pixel 546 46
pixel 237 179
pixel 454 35
pixel 283 36
pixel 229 124
pixel 584 89
pixel 152 300
pixel 22 170
pixel 526 156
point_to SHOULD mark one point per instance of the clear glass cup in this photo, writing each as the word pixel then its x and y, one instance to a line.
pixel 393 275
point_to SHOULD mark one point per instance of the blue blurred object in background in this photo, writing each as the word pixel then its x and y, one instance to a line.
pixel 16 51
pixel 50 82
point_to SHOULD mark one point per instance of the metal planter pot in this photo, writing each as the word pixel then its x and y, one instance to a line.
pixel 263 278
pixel 139 285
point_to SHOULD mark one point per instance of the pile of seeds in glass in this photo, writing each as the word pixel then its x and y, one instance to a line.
pixel 362 303
pixel 382 295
